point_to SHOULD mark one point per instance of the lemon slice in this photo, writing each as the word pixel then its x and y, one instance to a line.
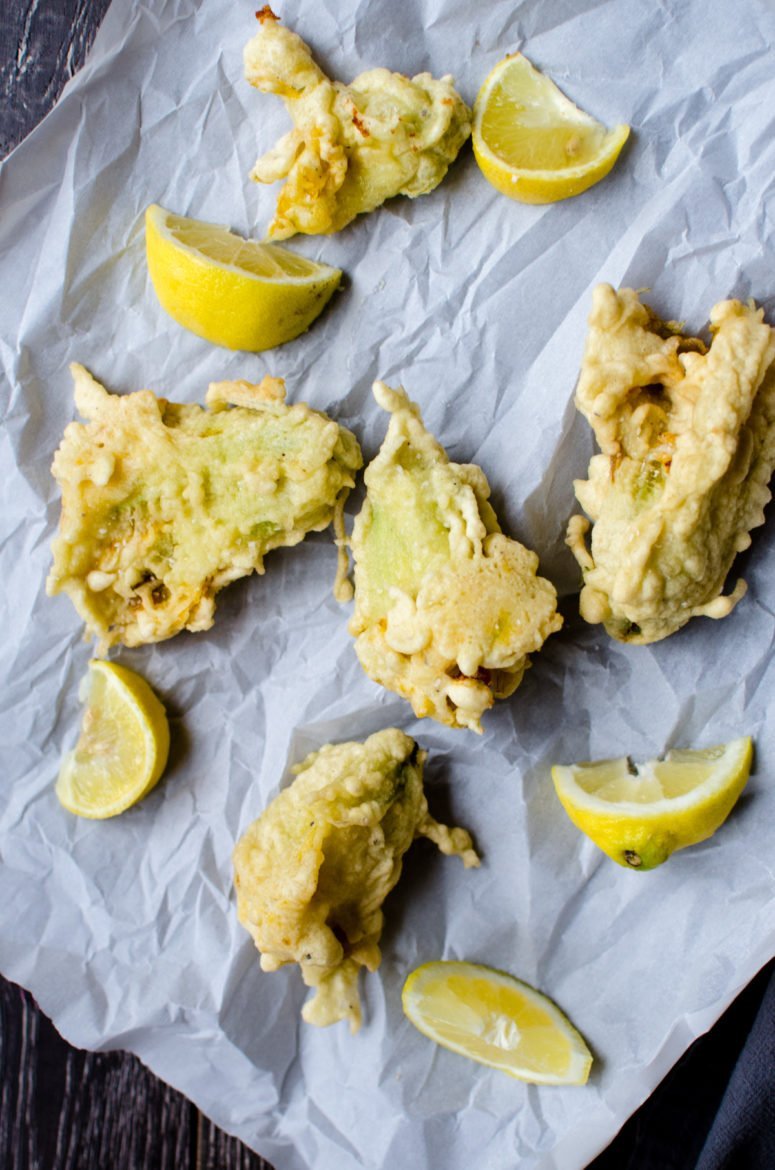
pixel 238 293
pixel 639 816
pixel 122 748
pixel 532 143
pixel 496 1020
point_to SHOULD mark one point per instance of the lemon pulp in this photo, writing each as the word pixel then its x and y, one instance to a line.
pixel 241 294
pixel 532 143
pixel 640 815
pixel 496 1020
pixel 123 746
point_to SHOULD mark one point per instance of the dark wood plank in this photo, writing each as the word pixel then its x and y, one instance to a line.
pixel 216 1150
pixel 42 44
pixel 65 1109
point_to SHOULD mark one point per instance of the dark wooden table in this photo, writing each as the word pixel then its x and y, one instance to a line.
pixel 64 1109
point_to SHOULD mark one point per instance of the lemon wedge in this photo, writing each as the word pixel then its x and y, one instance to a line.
pixel 639 816
pixel 122 748
pixel 497 1020
pixel 532 143
pixel 238 293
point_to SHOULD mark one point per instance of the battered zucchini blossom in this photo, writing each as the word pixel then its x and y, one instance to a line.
pixel 164 503
pixel 352 146
pixel 447 607
pixel 687 440
pixel 313 871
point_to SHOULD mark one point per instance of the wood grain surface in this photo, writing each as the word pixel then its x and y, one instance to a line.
pixel 42 44
pixel 65 1109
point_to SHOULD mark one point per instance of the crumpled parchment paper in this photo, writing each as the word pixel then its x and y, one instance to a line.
pixel 126 930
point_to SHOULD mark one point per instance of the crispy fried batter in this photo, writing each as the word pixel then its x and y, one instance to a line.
pixel 352 146
pixel 447 608
pixel 165 503
pixel 687 436
pixel 313 871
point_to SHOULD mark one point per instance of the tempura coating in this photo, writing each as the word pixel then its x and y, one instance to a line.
pixel 687 435
pixel 312 872
pixel 352 146
pixel 447 608
pixel 164 503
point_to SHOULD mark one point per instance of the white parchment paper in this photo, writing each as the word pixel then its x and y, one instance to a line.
pixel 126 930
